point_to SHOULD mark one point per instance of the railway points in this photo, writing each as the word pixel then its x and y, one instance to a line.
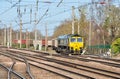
pixel 60 39
pixel 62 64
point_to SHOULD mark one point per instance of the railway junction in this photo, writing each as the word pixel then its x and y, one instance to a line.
pixel 59 39
pixel 26 64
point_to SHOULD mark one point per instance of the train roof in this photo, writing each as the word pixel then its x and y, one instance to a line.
pixel 68 35
pixel 75 35
pixel 63 36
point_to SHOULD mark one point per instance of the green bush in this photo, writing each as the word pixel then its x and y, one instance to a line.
pixel 18 45
pixel 116 46
pixel 23 45
pixel 15 45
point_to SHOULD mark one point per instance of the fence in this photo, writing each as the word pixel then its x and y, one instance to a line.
pixel 98 49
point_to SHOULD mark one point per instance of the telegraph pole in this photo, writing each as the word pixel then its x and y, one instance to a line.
pixel 20 33
pixel 78 21
pixel 73 19
pixel 78 27
pixel 90 27
pixel 46 40
pixel 19 12
pixel 17 38
pixel 36 25
pixel 26 38
pixel 10 35
pixel 5 35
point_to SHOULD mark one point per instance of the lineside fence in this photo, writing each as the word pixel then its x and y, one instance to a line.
pixel 98 49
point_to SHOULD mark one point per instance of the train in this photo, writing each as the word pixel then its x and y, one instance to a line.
pixel 70 43
pixel 31 42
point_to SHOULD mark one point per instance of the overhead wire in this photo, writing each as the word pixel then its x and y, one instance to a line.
pixel 9 1
pixel 60 13
pixel 68 10
pixel 48 9
pixel 59 3
pixel 10 8
pixel 43 14
pixel 46 13
pixel 28 1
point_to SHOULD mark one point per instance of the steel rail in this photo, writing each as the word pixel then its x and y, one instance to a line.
pixel 102 58
pixel 10 69
pixel 88 77
pixel 28 68
pixel 46 53
pixel 75 65
pixel 71 64
pixel 15 73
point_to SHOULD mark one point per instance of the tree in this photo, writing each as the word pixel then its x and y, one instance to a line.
pixel 83 21
pixel 63 28
pixel 112 24
pixel 116 46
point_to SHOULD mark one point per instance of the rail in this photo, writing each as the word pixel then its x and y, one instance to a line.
pixel 70 64
pixel 28 68
pixel 10 70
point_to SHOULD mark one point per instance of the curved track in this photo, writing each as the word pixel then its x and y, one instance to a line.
pixel 10 70
pixel 63 64
pixel 46 58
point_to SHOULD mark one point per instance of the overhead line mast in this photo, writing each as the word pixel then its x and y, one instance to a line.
pixel 19 12
pixel 73 19
pixel 91 23
pixel 36 24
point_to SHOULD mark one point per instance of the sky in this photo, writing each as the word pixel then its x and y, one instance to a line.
pixel 50 13
pixel 57 12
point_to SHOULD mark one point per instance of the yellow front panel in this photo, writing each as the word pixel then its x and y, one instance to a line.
pixel 76 45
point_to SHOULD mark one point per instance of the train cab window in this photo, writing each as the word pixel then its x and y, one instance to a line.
pixel 73 40
pixel 79 39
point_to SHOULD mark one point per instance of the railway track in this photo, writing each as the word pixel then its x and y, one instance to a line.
pixel 82 57
pixel 106 61
pixel 11 71
pixel 100 58
pixel 86 58
pixel 47 58
pixel 65 73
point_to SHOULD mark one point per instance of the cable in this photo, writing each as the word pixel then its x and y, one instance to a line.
pixel 10 7
pixel 59 3
pixel 60 13
pixel 49 2
pixel 9 1
pixel 43 15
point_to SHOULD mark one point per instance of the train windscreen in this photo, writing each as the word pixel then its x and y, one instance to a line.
pixel 79 39
pixel 73 39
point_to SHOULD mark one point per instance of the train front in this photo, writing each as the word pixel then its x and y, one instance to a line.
pixel 76 44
